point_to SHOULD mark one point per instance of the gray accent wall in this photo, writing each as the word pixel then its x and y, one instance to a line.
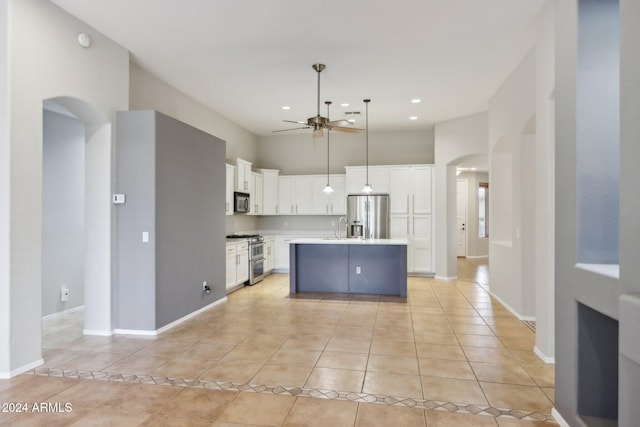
pixel 173 176
pixel 62 211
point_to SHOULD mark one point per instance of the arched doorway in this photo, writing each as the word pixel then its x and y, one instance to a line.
pixel 91 222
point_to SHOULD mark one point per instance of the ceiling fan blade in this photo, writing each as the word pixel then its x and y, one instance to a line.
pixel 284 130
pixel 298 122
pixel 345 129
pixel 342 122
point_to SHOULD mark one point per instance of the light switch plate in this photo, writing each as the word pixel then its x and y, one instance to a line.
pixel 119 199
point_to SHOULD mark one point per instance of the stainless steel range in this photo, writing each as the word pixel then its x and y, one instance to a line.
pixel 256 255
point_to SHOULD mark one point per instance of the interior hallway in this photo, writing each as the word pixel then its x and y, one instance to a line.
pixel 448 355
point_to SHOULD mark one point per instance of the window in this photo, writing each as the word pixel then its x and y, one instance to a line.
pixel 483 210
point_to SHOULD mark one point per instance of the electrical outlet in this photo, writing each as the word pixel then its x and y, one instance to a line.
pixel 358 270
pixel 64 293
pixel 205 288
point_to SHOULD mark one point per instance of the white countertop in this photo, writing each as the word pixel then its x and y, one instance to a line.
pixel 333 241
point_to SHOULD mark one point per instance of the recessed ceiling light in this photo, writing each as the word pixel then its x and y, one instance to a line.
pixel 344 104
pixel 286 107
pixel 413 118
pixel 416 101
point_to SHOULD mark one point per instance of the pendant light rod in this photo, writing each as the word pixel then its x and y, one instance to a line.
pixel 327 188
pixel 367 188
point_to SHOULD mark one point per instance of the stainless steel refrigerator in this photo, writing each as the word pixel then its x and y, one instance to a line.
pixel 368 216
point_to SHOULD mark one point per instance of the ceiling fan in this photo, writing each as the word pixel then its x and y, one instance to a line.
pixel 318 123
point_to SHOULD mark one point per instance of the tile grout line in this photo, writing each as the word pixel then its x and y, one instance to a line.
pixel 462 408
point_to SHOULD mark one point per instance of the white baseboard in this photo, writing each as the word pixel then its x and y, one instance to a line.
pixel 97 332
pixel 477 256
pixel 62 313
pixel 170 325
pixel 21 370
pixel 543 357
pixel 556 416
pixel 448 279
pixel 512 310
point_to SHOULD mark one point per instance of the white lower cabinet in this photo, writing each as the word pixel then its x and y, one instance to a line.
pixel 269 254
pixel 282 252
pixel 237 265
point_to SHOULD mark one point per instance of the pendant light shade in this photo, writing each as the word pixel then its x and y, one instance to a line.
pixel 328 189
pixel 367 187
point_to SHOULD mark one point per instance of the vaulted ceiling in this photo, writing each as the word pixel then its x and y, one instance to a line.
pixel 246 59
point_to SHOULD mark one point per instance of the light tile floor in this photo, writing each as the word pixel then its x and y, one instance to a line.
pixel 448 355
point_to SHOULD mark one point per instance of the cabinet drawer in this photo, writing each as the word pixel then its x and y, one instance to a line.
pixel 231 248
pixel 242 246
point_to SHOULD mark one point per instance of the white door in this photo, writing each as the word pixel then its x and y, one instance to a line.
pixel 461 218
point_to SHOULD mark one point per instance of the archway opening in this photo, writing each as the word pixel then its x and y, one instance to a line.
pixel 77 214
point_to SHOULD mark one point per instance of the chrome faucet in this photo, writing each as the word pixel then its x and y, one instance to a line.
pixel 345 227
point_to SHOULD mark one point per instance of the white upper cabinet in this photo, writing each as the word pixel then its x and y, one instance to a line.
pixel 304 190
pixel 256 193
pixel 295 195
pixel 230 186
pixel 357 178
pixel 269 191
pixel 243 176
pixel 286 195
pixel 399 183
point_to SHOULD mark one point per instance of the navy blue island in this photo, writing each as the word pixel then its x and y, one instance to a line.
pixel 371 266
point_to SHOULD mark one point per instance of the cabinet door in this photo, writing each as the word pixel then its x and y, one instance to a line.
pixel 320 200
pixel 269 255
pixel 230 186
pixel 231 265
pixel 421 243
pixel 257 195
pixel 286 193
pixel 243 175
pixel 399 188
pixel 242 269
pixel 269 192
pixel 304 190
pixel 421 190
pixel 338 199
pixel 355 180
pixel 282 253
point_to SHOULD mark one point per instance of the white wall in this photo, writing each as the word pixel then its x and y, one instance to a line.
pixel 455 140
pixel 545 182
pixel 5 279
pixel 147 92
pixel 511 110
pixel 301 154
pixel 63 212
pixel 45 61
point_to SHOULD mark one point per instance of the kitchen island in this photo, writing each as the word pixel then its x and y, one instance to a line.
pixel 371 266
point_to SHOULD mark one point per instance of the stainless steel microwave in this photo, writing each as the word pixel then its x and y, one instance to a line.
pixel 240 202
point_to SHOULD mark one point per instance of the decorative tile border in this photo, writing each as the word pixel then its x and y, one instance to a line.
pixel 530 324
pixel 462 408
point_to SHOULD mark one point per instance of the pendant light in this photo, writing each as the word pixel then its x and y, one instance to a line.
pixel 327 188
pixel 367 188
